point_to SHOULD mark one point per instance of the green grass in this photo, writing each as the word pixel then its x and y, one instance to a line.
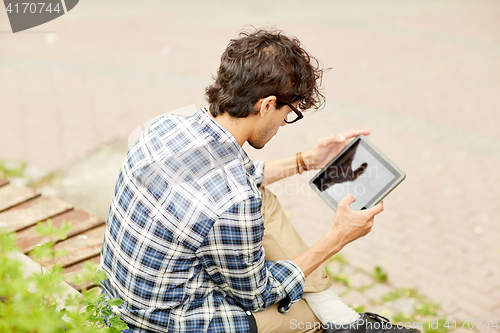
pixel 424 314
pixel 380 275
pixel 400 293
pixel 338 258
pixel 19 172
pixel 338 277
pixel 44 181
pixel 424 311
pixel 6 172
pixel 360 309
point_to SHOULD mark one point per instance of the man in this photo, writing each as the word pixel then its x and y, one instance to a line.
pixel 194 240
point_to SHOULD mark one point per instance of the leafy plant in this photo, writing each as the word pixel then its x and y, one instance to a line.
pixel 31 304
pixel 47 251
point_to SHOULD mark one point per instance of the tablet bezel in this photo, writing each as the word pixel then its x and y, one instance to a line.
pixel 381 157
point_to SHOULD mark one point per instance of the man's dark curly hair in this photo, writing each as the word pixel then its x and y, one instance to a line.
pixel 260 64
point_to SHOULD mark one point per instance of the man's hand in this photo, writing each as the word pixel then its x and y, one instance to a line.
pixel 349 225
pixel 327 148
pixel 322 153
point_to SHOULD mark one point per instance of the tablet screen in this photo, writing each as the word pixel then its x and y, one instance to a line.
pixel 358 171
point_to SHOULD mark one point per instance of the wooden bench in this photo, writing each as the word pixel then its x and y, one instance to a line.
pixel 22 207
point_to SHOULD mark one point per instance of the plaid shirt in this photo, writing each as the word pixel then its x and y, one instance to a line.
pixel 183 244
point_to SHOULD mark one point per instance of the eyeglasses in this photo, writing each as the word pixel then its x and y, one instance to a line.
pixel 291 118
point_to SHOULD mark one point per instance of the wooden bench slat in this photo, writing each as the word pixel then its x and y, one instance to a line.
pixel 81 247
pixel 11 195
pixel 27 239
pixel 32 211
pixel 3 182
pixel 73 270
pixel 79 287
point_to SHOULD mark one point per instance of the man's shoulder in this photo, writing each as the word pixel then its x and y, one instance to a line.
pixel 176 155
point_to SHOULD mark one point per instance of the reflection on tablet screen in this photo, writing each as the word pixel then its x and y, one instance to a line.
pixel 357 172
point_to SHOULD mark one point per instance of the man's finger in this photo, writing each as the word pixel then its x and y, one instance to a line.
pixel 376 209
pixel 338 138
pixel 335 138
pixel 355 133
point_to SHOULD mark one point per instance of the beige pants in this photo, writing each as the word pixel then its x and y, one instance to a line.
pixel 282 242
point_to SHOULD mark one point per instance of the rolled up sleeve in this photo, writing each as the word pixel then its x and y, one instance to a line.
pixel 233 256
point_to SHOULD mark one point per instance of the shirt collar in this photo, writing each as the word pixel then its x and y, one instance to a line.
pixel 222 135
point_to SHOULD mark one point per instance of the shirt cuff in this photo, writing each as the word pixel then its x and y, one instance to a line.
pixel 292 279
pixel 258 174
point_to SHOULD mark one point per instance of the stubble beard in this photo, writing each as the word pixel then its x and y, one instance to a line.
pixel 265 135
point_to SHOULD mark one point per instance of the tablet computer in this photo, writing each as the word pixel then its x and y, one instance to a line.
pixel 360 169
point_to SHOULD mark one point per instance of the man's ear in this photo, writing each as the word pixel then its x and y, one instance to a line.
pixel 265 105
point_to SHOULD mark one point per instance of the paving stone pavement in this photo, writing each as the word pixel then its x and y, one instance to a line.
pixel 423 76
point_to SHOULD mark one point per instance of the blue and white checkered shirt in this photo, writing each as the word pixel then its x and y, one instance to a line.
pixel 183 244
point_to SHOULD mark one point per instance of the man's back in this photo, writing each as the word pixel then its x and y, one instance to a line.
pixel 162 253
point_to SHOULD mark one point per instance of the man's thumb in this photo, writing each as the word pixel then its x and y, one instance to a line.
pixel 348 200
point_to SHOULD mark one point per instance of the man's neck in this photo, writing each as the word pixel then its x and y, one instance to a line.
pixel 238 127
